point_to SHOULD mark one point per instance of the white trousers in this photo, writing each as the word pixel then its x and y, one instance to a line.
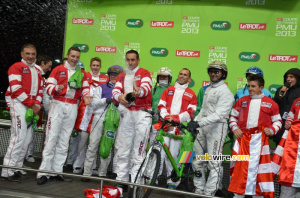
pixel 210 140
pixel 61 120
pixel 131 143
pixel 19 139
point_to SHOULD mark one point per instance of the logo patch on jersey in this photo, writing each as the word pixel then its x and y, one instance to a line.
pixel 25 70
pixel 19 122
pixel 244 103
pixel 137 77
pixel 170 92
pixel 298 103
pixel 188 94
pixel 88 79
pixel 62 74
pixel 266 104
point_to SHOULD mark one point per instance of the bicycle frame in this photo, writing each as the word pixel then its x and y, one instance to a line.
pixel 160 139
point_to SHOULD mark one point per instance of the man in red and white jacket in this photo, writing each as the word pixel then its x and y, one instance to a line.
pixel 286 158
pixel 62 114
pixel 26 91
pixel 177 103
pixel 253 119
pixel 135 126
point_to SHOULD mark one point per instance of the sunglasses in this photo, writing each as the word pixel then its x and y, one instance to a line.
pixel 214 71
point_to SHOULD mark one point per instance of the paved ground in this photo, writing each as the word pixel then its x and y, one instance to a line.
pixel 29 188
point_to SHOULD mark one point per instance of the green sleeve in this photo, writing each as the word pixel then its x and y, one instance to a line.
pixel 200 97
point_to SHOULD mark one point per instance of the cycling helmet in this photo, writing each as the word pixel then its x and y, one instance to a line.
pixel 115 69
pixel 164 71
pixel 255 70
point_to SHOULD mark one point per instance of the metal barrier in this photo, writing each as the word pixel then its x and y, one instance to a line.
pixel 112 181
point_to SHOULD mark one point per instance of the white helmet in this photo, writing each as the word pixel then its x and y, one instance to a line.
pixel 218 65
pixel 165 71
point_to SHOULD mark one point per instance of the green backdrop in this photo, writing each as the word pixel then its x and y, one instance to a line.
pixel 189 33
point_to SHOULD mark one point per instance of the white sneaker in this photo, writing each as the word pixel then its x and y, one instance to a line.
pixel 30 159
pixel 77 170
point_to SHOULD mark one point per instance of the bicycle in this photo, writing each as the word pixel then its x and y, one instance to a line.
pixel 149 169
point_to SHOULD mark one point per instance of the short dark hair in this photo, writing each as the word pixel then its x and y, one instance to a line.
pixel 190 73
pixel 258 78
pixel 73 48
pixel 43 58
pixel 95 59
pixel 133 52
pixel 28 45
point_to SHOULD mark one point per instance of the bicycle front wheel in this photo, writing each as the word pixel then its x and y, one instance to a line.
pixel 148 173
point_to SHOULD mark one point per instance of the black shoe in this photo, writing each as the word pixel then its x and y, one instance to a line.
pixel 14 178
pixel 69 168
pixel 61 178
pixel 42 180
pixel 85 180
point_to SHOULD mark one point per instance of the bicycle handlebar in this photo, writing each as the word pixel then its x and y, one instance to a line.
pixel 173 123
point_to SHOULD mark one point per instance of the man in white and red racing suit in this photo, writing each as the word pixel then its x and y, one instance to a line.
pixel 177 103
pixel 134 129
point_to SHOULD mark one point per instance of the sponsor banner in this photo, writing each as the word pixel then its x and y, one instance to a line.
pixel 83 47
pixel 190 25
pixel 273 88
pixel 220 25
pixel 217 53
pixel 108 22
pixel 134 23
pixel 286 27
pixel 249 56
pixel 164 24
pixel 159 52
pixel 132 46
pixel 283 58
pixel 241 83
pixel 188 53
pixel 253 26
pixel 105 49
pixel 82 21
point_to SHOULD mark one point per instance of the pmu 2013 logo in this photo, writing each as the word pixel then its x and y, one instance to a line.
pixel 160 52
pixel 249 56
pixel 188 53
pixel 253 26
pixel 83 21
pixel 134 23
pixel 283 58
pixel 220 25
pixel 105 49
pixel 83 47
pixel 165 24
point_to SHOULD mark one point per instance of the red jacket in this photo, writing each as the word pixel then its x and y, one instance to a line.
pixel 144 81
pixel 294 114
pixel 59 76
pixel 102 78
pixel 183 111
pixel 265 112
pixel 20 84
